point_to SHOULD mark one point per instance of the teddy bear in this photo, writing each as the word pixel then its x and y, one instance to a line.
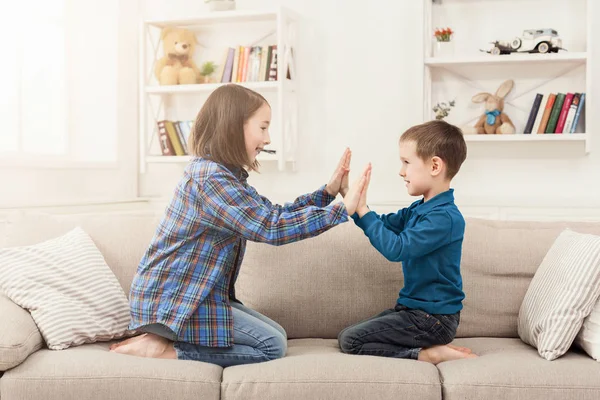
pixel 177 65
pixel 494 120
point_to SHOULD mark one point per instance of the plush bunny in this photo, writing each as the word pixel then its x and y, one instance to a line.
pixel 494 121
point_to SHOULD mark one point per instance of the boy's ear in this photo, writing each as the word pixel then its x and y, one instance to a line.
pixel 437 166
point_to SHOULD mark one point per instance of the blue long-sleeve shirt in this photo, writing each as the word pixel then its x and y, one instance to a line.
pixel 427 238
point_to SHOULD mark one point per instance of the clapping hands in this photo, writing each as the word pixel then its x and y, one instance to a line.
pixel 355 199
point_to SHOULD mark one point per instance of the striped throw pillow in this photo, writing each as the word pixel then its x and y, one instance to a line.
pixel 71 293
pixel 561 294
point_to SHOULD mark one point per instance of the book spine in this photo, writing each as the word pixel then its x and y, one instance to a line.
pixel 533 113
pixel 560 125
pixel 578 113
pixel 273 65
pixel 571 114
pixel 228 66
pixel 538 118
pixel 166 147
pixel 174 138
pixel 560 98
pixel 547 111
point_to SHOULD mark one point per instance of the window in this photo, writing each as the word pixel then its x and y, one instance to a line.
pixel 60 105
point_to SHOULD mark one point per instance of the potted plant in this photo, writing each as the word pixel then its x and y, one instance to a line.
pixel 444 47
pixel 442 110
pixel 206 71
pixel 220 5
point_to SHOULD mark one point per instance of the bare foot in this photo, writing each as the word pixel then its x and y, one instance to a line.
pixel 148 345
pixel 438 354
pixel 127 341
pixel 459 348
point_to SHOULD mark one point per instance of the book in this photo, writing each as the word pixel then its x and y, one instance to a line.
pixel 174 138
pixel 228 68
pixel 571 113
pixel 538 118
pixel 533 113
pixel 166 147
pixel 273 65
pixel 181 136
pixel 234 68
pixel 547 111
pixel 263 64
pixel 563 113
pixel 553 120
pixel 579 112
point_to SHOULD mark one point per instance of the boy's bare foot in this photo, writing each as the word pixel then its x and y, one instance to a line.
pixel 127 341
pixel 459 348
pixel 438 354
pixel 148 345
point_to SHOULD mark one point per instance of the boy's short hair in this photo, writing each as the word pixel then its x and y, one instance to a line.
pixel 439 138
pixel 218 132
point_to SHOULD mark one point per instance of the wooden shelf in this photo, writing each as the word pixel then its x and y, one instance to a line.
pixel 234 16
pixel 488 59
pixel 534 137
pixel 209 87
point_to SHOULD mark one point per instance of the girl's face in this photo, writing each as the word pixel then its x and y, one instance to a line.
pixel 256 131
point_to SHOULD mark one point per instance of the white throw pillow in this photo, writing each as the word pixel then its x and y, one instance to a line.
pixel 71 293
pixel 588 337
pixel 561 294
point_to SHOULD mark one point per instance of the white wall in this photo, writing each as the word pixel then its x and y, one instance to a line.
pixel 360 85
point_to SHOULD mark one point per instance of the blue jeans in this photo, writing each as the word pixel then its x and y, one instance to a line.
pixel 256 338
pixel 399 332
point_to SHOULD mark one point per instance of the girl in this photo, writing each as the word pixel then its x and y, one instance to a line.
pixel 183 295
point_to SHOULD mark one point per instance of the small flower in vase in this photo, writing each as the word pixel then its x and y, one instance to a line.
pixel 443 34
pixel 443 44
pixel 442 110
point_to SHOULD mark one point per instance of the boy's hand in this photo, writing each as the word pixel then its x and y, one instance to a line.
pixel 339 180
pixel 355 192
pixel 361 208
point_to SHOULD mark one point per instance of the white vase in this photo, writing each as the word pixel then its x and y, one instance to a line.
pixel 221 5
pixel 443 49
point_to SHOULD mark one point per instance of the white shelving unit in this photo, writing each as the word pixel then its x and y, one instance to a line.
pixel 216 31
pixel 471 71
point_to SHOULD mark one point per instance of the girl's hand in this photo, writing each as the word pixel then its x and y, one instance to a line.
pixel 362 208
pixel 354 194
pixel 339 180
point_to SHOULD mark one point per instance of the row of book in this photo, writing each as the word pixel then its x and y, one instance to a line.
pixel 173 137
pixel 555 113
pixel 248 64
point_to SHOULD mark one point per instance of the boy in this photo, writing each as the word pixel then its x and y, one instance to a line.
pixel 427 238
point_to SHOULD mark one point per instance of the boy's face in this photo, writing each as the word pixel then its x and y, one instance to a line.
pixel 256 131
pixel 415 172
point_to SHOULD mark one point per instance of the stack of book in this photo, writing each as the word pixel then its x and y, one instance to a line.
pixel 555 113
pixel 173 137
pixel 248 64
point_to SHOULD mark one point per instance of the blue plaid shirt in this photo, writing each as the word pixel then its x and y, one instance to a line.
pixel 186 277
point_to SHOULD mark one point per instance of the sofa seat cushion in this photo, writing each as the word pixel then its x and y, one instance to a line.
pixel 91 372
pixel 316 369
pixel 510 369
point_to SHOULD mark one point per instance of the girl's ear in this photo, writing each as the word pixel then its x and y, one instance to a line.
pixel 480 97
pixel 437 165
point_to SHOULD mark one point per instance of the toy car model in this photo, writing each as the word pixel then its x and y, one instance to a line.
pixel 532 41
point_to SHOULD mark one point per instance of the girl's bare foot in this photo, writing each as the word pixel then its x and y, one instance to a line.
pixel 438 354
pixel 127 341
pixel 148 345
pixel 459 348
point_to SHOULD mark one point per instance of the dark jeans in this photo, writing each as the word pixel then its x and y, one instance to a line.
pixel 399 332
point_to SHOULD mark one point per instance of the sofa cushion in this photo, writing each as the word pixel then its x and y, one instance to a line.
pixel 562 293
pixel 588 337
pixel 499 260
pixel 316 369
pixel 316 287
pixel 121 237
pixel 19 336
pixel 91 372
pixel 510 369
pixel 72 295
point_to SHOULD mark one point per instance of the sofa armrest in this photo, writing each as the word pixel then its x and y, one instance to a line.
pixel 19 335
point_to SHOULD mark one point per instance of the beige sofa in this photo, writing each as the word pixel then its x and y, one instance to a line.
pixel 314 289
